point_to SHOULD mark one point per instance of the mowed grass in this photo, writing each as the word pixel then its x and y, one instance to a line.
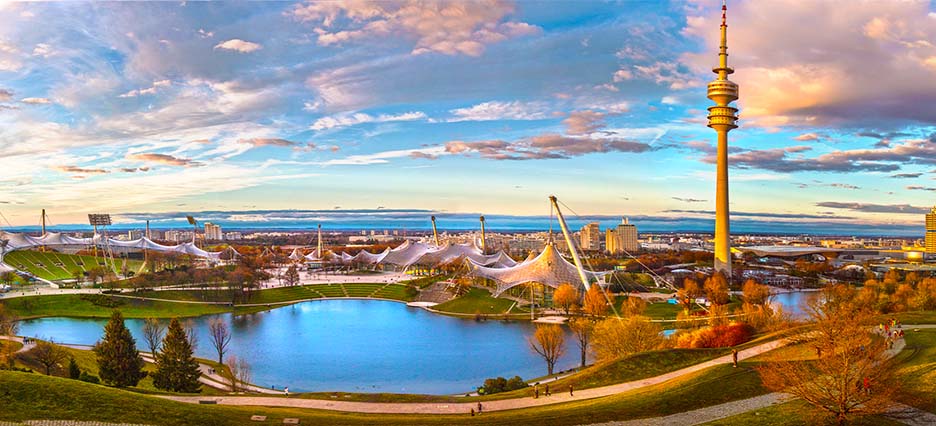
pixel 28 396
pixel 477 300
pixel 72 305
pixel 56 266
pixel 917 368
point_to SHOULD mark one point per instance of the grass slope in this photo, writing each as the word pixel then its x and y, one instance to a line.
pixel 477 300
pixel 56 266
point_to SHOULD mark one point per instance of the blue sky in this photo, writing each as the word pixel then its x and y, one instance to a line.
pixel 486 107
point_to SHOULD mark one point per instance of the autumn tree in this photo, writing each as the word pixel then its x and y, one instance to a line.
pixel 582 328
pixel 220 336
pixel 9 322
pixel 688 293
pixel 595 303
pixel 614 338
pixel 291 276
pixel 119 362
pixel 633 306
pixel 48 354
pixel 716 289
pixel 153 332
pixel 755 293
pixel 176 368
pixel 565 297
pixel 240 373
pixel 549 342
pixel 853 375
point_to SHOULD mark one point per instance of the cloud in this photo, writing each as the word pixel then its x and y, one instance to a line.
pixel 5 95
pixel 807 137
pixel 147 91
pixel 36 101
pixel 886 159
pixel 43 50
pixel 494 110
pixel 166 159
pixel 258 142
pixel 239 45
pixel 584 122
pixel 449 28
pixel 906 175
pixel 689 200
pixel 383 157
pixel 352 119
pixel 825 216
pixel 674 75
pixel 545 146
pixel 875 208
pixel 818 74
pixel 135 169
pixel 920 188
pixel 80 170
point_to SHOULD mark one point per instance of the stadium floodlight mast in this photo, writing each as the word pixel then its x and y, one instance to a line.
pixel 194 223
pixel 103 220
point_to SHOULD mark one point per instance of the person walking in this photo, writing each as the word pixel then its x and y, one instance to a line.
pixel 867 385
pixel 547 389
pixel 535 392
pixel 734 358
pixel 570 391
pixel 472 412
pixel 286 391
pixel 479 408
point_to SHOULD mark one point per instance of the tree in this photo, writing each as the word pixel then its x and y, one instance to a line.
pixel 74 372
pixel 549 342
pixel 8 278
pixel 240 372
pixel 9 322
pixel 582 328
pixel 220 337
pixel 565 297
pixel 292 276
pixel 633 306
pixel 755 294
pixel 48 354
pixel 688 293
pixel 853 374
pixel 119 362
pixel 176 368
pixel 716 289
pixel 615 338
pixel 153 332
pixel 595 303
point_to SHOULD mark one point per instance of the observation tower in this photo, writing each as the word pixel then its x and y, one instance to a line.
pixel 722 117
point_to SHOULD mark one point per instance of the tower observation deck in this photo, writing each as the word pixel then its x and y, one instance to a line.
pixel 722 118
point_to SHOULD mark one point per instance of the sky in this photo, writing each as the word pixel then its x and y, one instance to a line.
pixel 466 107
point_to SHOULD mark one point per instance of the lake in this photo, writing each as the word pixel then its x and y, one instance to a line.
pixel 353 346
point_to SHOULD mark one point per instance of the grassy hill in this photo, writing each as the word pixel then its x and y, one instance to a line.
pixel 56 266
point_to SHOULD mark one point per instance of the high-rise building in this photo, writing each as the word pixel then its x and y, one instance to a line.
pixel 930 241
pixel 213 232
pixel 626 234
pixel 722 118
pixel 135 234
pixel 611 241
pixel 591 237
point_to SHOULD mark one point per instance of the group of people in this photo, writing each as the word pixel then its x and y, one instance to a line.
pixel 892 330
pixel 546 392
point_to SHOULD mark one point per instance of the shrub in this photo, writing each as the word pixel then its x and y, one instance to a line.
pixel 501 384
pixel 99 300
pixel 716 337
pixel 85 377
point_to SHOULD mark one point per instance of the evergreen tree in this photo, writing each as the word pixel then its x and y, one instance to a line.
pixel 119 362
pixel 74 372
pixel 176 368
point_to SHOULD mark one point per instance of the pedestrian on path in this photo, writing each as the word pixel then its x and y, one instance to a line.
pixel 570 391
pixel 547 389
pixel 479 408
pixel 286 391
pixel 535 392
pixel 867 385
pixel 472 412
pixel 734 358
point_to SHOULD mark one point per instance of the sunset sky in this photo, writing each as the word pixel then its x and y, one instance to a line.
pixel 485 106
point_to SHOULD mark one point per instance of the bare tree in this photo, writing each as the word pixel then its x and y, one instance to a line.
pixel 153 333
pixel 292 276
pixel 220 337
pixel 190 336
pixel 582 328
pixel 240 373
pixel 549 342
pixel 49 355
pixel 852 373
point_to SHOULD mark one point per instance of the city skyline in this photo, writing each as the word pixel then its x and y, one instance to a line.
pixel 314 106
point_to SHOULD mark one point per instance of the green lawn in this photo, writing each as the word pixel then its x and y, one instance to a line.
pixel 56 266
pixel 662 310
pixel 72 305
pixel 477 300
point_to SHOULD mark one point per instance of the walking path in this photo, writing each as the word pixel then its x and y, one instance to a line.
pixel 463 407
pixel 19 340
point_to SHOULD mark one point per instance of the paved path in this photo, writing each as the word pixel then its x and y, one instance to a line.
pixel 559 395
pixel 18 339
pixel 708 414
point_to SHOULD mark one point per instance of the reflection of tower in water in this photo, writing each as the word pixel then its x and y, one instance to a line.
pixel 722 117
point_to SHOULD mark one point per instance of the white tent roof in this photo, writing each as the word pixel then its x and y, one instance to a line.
pixel 17 241
pixel 407 253
pixel 549 268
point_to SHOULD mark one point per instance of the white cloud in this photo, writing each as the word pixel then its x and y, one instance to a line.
pixel 239 45
pixel 44 50
pixel 494 110
pixel 148 90
pixel 36 101
pixel 351 119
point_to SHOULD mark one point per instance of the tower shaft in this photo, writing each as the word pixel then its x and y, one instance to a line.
pixel 722 221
